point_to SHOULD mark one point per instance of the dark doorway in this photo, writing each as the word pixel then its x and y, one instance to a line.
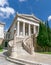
pixel 6 43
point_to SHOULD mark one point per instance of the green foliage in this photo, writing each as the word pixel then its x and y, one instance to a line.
pixel 49 33
pixel 0 47
pixel 42 38
pixel 45 52
pixel 1 50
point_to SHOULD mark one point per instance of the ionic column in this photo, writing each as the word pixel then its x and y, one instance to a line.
pixel 29 30
pixel 23 28
pixel 18 28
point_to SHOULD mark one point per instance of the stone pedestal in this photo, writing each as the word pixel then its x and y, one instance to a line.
pixel 14 52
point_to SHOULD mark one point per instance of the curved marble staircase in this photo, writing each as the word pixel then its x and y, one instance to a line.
pixel 20 47
pixel 28 44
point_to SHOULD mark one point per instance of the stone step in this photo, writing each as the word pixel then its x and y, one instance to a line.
pixel 21 51
pixel 25 62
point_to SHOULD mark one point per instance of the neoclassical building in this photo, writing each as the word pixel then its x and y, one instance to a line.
pixel 25 25
pixel 19 33
pixel 1 32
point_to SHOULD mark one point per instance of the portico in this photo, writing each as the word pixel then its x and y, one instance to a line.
pixel 26 29
pixel 25 25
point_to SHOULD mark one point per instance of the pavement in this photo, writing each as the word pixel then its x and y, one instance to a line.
pixel 3 60
pixel 43 59
pixel 37 58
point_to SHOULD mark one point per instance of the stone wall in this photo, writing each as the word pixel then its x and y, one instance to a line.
pixel 1 40
pixel 44 49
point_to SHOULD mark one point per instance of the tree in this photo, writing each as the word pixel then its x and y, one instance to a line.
pixel 42 38
pixel 49 33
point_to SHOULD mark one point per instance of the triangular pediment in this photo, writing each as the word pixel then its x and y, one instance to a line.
pixel 32 17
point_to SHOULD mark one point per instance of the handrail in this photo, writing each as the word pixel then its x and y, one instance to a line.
pixel 27 47
pixel 27 37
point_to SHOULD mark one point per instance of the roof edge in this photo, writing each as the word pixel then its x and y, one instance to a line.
pixel 2 23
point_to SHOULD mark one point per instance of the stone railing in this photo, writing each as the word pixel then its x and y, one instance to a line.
pixel 13 48
pixel 10 45
pixel 28 44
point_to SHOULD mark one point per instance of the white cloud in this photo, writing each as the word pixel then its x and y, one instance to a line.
pixel 3 2
pixel 22 0
pixel 6 12
pixel 49 18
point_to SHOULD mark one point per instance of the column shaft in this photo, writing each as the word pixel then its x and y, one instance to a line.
pixel 18 27
pixel 24 29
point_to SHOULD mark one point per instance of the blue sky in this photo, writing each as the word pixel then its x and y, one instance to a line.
pixel 9 8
